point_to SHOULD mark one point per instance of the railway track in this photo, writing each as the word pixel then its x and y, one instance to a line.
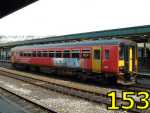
pixel 94 94
pixel 136 87
pixel 27 105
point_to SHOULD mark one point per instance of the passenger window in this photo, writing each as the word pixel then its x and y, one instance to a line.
pixel 58 54
pixel 51 54
pixel 34 54
pixel 66 54
pixel 29 54
pixel 25 54
pixel 96 54
pixel 45 54
pixel 21 53
pixel 107 54
pixel 86 54
pixel 39 54
pixel 75 54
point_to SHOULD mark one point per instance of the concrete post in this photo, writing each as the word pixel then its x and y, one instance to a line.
pixel 145 54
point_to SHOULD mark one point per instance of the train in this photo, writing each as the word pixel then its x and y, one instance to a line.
pixel 112 59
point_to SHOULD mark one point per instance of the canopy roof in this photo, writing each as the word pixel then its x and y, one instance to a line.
pixel 9 6
pixel 138 34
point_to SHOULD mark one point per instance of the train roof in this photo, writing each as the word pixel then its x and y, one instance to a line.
pixel 82 43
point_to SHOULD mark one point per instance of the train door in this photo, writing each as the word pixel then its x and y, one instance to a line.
pixel 110 59
pixel 86 59
pixel 130 59
pixel 96 59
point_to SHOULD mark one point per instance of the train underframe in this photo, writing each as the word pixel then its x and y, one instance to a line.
pixel 123 79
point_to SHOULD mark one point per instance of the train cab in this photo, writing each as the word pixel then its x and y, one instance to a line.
pixel 128 62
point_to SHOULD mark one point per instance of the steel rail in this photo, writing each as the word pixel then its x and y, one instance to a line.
pixel 47 110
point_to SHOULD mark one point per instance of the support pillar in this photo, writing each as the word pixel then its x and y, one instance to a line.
pixel 145 52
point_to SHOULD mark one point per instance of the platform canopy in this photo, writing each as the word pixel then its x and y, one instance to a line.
pixel 9 6
pixel 138 34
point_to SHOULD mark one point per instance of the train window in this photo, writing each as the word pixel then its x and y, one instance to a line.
pixel 107 54
pixel 45 54
pixel 97 54
pixel 39 54
pixel 58 54
pixel 25 54
pixel 51 54
pixel 28 54
pixel 75 54
pixel 21 53
pixel 66 54
pixel 121 53
pixel 85 54
pixel 34 54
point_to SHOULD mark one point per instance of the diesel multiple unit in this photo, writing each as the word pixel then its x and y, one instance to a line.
pixel 100 58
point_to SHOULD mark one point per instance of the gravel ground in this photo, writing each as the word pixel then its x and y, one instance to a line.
pixel 54 101
pixel 67 83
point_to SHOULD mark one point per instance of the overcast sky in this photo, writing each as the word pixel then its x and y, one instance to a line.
pixel 58 17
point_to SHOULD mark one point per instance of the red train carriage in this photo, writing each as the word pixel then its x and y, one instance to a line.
pixel 116 57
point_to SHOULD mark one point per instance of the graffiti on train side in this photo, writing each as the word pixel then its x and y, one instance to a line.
pixel 67 62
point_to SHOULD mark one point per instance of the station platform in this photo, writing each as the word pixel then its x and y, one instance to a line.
pixel 7 106
pixel 144 74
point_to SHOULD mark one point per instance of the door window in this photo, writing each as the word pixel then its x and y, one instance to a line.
pixel 96 54
pixel 85 54
pixel 107 54
pixel 121 53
